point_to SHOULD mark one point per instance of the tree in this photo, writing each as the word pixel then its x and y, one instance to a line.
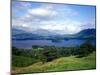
pixel 85 49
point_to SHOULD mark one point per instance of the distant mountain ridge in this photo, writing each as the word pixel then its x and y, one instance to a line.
pixel 23 35
pixel 87 33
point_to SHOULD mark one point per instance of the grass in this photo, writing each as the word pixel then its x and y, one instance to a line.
pixel 21 61
pixel 60 64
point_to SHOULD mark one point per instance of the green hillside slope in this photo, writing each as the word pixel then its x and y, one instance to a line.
pixel 60 64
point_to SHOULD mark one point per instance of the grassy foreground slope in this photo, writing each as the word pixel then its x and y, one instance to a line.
pixel 61 64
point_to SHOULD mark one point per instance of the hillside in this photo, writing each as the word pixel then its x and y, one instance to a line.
pixel 37 35
pixel 88 33
pixel 60 64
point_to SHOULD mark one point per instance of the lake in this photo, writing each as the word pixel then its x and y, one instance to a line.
pixel 64 43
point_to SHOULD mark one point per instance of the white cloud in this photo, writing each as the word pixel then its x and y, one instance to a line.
pixel 25 25
pixel 42 12
pixel 73 29
pixel 51 17
pixel 62 27
pixel 21 5
pixel 53 27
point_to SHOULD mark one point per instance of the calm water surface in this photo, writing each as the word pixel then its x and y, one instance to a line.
pixel 63 43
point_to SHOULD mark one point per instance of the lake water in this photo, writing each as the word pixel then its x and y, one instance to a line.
pixel 63 43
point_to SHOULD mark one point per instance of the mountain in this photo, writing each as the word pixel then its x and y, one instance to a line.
pixel 18 34
pixel 44 34
pixel 87 33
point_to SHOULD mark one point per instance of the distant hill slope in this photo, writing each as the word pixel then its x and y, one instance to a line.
pixel 23 35
pixel 87 33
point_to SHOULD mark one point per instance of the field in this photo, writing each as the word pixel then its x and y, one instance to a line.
pixel 60 64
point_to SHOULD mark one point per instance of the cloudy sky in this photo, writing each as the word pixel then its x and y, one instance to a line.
pixel 55 18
